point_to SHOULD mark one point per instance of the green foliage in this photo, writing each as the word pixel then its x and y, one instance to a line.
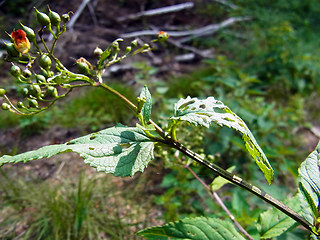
pixel 146 101
pixel 204 112
pixel 271 65
pixel 309 183
pixel 219 182
pixel 120 150
pixel 70 206
pixel 273 223
pixel 193 228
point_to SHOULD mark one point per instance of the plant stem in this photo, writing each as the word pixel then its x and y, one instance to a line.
pixel 220 202
pixel 245 185
pixel 116 93
pixel 215 168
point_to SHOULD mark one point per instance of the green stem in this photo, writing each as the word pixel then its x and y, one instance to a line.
pixel 215 168
pixel 245 185
pixel 116 93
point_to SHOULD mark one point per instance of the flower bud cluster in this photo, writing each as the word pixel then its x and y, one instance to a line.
pixel 38 85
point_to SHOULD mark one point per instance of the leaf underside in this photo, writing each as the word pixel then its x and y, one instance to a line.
pixel 199 228
pixel 119 150
pixel 146 109
pixel 309 181
pixel 208 111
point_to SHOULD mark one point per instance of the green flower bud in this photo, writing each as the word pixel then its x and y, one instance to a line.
pixel 54 18
pixel 97 52
pixel 40 79
pixel 15 71
pixel 45 62
pixel 2 92
pixel 11 50
pixel 33 103
pixel 115 46
pixel 34 90
pixel 5 106
pixel 26 73
pixel 162 36
pixel 43 18
pixel 25 91
pixel 65 17
pixel 134 43
pixel 83 68
pixel 145 46
pixel 52 91
pixel 29 31
pixel 128 50
pixel 20 105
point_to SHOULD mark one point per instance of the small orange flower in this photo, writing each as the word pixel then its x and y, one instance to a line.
pixel 21 42
pixel 162 36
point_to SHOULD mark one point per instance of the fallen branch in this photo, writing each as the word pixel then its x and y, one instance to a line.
pixel 77 14
pixel 201 53
pixel 158 11
pixel 226 3
pixel 204 31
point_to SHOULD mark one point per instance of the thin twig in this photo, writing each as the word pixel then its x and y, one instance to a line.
pixel 77 13
pixel 226 3
pixel 204 31
pixel 158 11
pixel 220 202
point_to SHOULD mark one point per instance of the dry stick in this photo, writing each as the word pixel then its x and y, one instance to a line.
pixel 158 11
pixel 203 54
pixel 226 3
pixel 207 30
pixel 93 15
pixel 220 202
pixel 77 13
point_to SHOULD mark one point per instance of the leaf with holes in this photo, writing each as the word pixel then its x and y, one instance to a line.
pixel 309 181
pixel 199 228
pixel 119 150
pixel 208 111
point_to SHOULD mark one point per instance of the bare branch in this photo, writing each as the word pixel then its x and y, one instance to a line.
pixel 158 11
pixel 207 30
pixel 77 13
pixel 220 202
pixel 226 3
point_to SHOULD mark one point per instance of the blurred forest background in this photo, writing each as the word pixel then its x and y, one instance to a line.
pixel 261 58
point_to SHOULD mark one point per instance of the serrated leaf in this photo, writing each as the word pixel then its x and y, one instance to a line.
pixel 219 182
pixel 199 228
pixel 146 109
pixel 119 150
pixel 274 222
pixel 309 180
pixel 208 111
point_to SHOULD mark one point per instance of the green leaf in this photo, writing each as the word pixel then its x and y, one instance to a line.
pixel 107 53
pixel 146 109
pixel 219 182
pixel 274 222
pixel 309 180
pixel 199 228
pixel 119 150
pixel 208 111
